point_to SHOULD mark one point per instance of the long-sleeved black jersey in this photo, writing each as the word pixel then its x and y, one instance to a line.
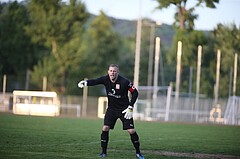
pixel 117 92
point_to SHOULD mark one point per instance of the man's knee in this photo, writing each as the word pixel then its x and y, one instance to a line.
pixel 105 128
pixel 131 131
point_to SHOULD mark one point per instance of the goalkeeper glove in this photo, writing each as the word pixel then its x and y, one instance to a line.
pixel 82 84
pixel 128 112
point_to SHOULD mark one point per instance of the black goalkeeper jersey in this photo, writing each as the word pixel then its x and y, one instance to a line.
pixel 117 92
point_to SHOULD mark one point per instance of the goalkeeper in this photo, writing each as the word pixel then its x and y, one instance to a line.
pixel 119 106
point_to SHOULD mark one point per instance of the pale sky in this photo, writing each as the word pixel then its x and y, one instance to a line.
pixel 227 11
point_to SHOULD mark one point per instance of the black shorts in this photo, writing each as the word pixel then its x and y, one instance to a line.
pixel 111 117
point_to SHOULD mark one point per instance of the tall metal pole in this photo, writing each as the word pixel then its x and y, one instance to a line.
pixel 178 70
pixel 162 70
pixel 150 58
pixel 137 51
pixel 178 76
pixel 217 76
pixel 198 80
pixel 156 67
pixel 235 74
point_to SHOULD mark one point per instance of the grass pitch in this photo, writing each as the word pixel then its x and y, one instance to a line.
pixel 31 137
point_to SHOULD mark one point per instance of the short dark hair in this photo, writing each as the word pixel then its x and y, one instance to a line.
pixel 114 65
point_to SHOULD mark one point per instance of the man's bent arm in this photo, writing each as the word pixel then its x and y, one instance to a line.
pixel 134 97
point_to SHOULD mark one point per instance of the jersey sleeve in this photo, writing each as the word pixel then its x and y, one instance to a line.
pixel 134 93
pixel 97 81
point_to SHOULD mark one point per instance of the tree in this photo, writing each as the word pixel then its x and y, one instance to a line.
pixel 103 45
pixel 184 26
pixel 17 53
pixel 46 68
pixel 60 27
pixel 184 17
pixel 227 40
pixel 190 42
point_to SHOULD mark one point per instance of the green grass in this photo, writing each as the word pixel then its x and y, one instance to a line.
pixel 25 137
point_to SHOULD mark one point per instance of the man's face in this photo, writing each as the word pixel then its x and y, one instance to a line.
pixel 113 73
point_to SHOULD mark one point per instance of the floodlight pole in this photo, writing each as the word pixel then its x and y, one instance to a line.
pixel 150 59
pixel 156 67
pixel 217 76
pixel 137 53
pixel 178 76
pixel 235 74
pixel 151 51
pixel 198 80
pixel 178 70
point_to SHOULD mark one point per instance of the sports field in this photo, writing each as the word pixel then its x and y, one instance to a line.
pixel 31 137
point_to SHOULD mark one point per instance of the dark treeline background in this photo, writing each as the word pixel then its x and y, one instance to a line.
pixel 65 43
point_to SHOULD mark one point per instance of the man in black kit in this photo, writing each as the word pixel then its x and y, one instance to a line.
pixel 119 106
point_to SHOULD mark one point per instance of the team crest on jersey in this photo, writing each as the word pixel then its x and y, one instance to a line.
pixel 117 86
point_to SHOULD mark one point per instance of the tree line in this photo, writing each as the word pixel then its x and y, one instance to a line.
pixel 65 43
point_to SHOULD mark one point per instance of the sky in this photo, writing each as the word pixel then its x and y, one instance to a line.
pixel 226 11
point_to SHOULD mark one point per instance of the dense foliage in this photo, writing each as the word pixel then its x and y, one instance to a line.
pixel 63 42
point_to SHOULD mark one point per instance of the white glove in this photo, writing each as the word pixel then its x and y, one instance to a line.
pixel 82 84
pixel 128 112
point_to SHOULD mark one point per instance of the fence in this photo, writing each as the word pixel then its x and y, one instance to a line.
pixel 151 110
pixel 183 111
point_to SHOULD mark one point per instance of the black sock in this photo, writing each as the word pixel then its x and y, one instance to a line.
pixel 135 141
pixel 104 141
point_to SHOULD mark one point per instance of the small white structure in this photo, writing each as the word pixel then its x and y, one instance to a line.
pixel 216 114
pixel 36 103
